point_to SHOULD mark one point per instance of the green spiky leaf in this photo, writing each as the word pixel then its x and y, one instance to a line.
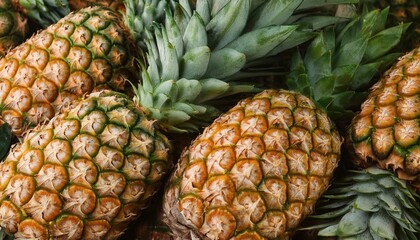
pixel 350 209
pixel 382 225
pixel 340 63
pixel 213 43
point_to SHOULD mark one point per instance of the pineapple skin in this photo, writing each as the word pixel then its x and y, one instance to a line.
pixel 86 174
pixel 256 172
pixel 116 5
pixel 14 27
pixel 86 51
pixel 386 132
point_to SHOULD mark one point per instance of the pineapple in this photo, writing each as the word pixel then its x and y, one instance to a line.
pixel 117 5
pixel 258 170
pixel 84 175
pixel 85 51
pixel 13 27
pixel 104 156
pixel 386 132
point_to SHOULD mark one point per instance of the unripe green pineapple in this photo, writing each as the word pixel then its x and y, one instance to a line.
pixel 13 27
pixel 85 51
pixel 86 174
pixel 386 132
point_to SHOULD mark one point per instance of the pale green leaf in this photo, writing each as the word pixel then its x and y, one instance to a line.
pixel 367 202
pixel 169 88
pixel 272 12
pixel 203 9
pixel 322 3
pixel 369 187
pixel 168 57
pixel 390 201
pixel 352 223
pixel 224 63
pixel 188 90
pixel 174 117
pixel 160 100
pixel 180 16
pixel 329 231
pixel 382 225
pixel 195 34
pixel 295 39
pixel 174 35
pixel 333 213
pixel 194 62
pixel 228 23
pixel 211 89
pixel 261 42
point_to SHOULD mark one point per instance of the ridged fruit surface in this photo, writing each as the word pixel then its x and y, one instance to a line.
pixel 254 173
pixel 85 175
pixel 85 51
pixel 116 5
pixel 386 132
pixel 13 27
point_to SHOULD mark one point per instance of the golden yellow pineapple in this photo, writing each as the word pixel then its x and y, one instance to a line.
pixel 84 175
pixel 386 132
pixel 256 172
pixel 85 51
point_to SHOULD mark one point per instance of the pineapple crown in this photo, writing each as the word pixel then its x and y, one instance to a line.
pixel 140 15
pixel 44 12
pixel 340 63
pixel 196 54
pixel 367 204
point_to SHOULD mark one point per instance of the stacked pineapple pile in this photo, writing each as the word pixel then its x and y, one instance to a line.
pixel 97 98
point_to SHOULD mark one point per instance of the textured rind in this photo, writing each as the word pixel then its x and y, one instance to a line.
pixel 116 5
pixel 84 175
pixel 257 171
pixel 86 51
pixel 386 132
